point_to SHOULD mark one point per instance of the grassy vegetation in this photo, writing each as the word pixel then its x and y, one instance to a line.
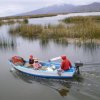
pixel 82 27
pixel 12 21
pixel 45 32
pixel 81 19
pixel 26 30
pixel 85 27
pixel 24 19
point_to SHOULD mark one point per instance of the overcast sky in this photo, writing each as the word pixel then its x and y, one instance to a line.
pixel 12 7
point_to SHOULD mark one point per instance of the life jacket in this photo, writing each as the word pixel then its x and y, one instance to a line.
pixel 17 59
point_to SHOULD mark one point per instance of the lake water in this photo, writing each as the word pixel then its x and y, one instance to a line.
pixel 17 86
pixel 56 19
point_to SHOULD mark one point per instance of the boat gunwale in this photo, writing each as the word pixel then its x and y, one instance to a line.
pixel 43 76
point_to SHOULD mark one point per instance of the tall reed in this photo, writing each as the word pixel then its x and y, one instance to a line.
pixel 82 27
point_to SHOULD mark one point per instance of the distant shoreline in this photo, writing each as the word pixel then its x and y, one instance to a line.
pixel 38 15
pixel 27 17
pixel 75 27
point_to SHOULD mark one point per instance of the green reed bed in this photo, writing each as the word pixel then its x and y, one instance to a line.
pixel 49 31
pixel 13 21
pixel 82 27
pixel 81 19
pixel 27 30
pixel 1 22
pixel 54 31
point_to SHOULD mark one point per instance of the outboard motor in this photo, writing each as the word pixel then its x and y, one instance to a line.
pixel 77 65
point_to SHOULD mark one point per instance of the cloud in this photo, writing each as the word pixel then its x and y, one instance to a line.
pixel 13 7
pixel 10 10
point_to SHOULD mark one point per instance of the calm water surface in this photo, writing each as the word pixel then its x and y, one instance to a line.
pixel 56 19
pixel 17 86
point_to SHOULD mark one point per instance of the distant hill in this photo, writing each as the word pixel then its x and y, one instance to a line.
pixel 94 7
pixel 65 8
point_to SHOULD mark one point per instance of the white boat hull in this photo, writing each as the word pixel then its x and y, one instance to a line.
pixel 45 73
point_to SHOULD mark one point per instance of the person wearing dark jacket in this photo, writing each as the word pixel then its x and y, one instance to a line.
pixel 31 60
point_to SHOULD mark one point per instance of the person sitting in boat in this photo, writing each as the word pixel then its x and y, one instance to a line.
pixel 31 61
pixel 36 64
pixel 66 64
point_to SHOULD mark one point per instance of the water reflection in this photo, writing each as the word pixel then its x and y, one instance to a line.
pixel 62 86
pixel 63 92
pixel 87 46
pixel 51 83
pixel 91 46
pixel 7 44
pixel 44 42
pixel 63 42
pixel 56 19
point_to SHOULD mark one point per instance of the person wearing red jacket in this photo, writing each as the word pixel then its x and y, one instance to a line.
pixel 66 64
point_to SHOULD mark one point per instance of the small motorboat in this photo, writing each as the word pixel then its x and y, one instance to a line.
pixel 47 70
